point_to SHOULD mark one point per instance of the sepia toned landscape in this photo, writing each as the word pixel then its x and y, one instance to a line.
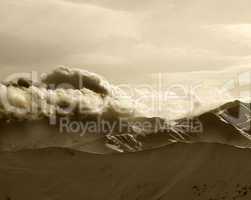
pixel 125 100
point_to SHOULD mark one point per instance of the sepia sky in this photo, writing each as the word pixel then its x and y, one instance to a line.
pixel 122 38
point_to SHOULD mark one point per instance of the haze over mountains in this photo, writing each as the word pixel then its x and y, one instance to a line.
pixel 67 96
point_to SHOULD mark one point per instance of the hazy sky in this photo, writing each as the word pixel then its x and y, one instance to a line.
pixel 115 37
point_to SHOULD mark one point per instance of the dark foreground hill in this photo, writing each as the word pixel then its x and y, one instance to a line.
pixel 199 171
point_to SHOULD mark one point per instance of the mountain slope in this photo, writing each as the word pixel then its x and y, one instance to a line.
pixel 178 171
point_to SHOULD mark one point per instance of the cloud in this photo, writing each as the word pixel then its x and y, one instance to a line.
pixel 36 29
pixel 237 33
pixel 131 36
pixel 129 5
pixel 21 51
pixel 225 11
